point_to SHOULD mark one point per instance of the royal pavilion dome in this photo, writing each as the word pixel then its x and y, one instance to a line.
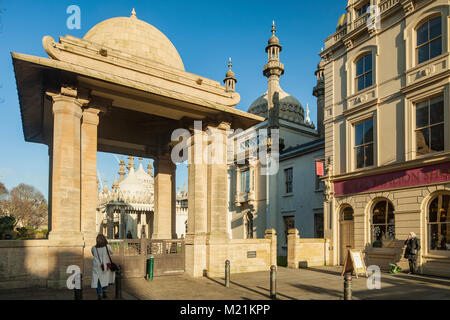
pixel 137 38
pixel 290 108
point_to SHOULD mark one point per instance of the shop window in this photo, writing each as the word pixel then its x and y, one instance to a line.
pixel 364 144
pixel 429 40
pixel 430 126
pixel 288 177
pixel 364 74
pixel 383 223
pixel 439 224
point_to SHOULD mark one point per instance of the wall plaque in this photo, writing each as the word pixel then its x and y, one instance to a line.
pixel 251 254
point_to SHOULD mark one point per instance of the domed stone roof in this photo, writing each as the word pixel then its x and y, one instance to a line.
pixel 136 37
pixel 290 108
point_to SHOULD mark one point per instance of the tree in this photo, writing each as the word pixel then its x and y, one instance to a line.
pixel 6 225
pixel 3 198
pixel 28 206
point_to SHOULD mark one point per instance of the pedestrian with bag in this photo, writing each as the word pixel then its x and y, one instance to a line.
pixel 412 251
pixel 103 269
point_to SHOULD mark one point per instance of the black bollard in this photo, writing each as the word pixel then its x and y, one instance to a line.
pixel 227 273
pixel 78 293
pixel 273 282
pixel 119 283
pixel 348 286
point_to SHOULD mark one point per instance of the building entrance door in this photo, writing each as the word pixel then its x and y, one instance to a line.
pixel 347 232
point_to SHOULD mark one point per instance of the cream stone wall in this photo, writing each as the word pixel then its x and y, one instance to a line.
pixel 236 252
pixel 24 263
pixel 307 252
pixel 399 82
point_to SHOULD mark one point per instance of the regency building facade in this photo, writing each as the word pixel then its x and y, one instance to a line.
pixel 387 132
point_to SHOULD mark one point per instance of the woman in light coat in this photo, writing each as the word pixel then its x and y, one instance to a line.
pixel 102 276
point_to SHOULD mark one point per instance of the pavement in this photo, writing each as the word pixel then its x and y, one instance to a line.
pixel 324 283
pixel 54 294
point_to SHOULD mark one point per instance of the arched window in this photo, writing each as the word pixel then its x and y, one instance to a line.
pixel 347 214
pixel 364 74
pixel 383 223
pixel 439 223
pixel 429 40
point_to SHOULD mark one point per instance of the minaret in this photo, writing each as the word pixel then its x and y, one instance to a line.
pixel 319 93
pixel 130 163
pixel 230 79
pixel 122 171
pixel 273 70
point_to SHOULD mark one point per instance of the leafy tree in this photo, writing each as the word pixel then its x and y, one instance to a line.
pixel 28 206
pixel 3 198
pixel 7 225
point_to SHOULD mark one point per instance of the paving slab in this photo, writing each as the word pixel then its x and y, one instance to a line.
pixel 325 283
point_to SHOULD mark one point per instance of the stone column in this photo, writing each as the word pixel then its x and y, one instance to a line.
pixel 292 261
pixel 66 167
pixel 65 239
pixel 218 236
pixel 195 261
pixel 217 183
pixel 89 190
pixel 164 197
pixel 271 235
pixel 110 222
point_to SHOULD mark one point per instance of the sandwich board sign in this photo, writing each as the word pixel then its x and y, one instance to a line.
pixel 354 263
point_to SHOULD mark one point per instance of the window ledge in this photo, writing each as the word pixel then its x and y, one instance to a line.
pixel 423 64
pixel 288 195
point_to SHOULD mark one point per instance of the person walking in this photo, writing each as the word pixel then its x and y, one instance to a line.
pixel 412 251
pixel 102 275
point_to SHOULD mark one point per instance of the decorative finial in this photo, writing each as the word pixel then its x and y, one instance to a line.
pixel 273 27
pixel 308 119
pixel 229 64
pixel 133 13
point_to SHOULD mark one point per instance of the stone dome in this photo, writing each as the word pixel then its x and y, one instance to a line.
pixel 290 108
pixel 136 37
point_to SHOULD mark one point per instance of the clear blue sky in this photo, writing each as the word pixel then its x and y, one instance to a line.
pixel 205 34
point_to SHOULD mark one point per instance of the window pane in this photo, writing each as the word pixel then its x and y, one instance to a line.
pixel 439 236
pixel 422 34
pixel 437 138
pixel 437 110
pixel 348 214
pixel 432 215
pixel 359 134
pixel 360 157
pixel 422 115
pixel 369 155
pixel 360 67
pixel 378 233
pixel 422 141
pixel 369 79
pixel 445 209
pixel 390 232
pixel 361 83
pixel 368 131
pixel 424 53
pixel 368 63
pixel 435 27
pixel 379 213
pixel 435 48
